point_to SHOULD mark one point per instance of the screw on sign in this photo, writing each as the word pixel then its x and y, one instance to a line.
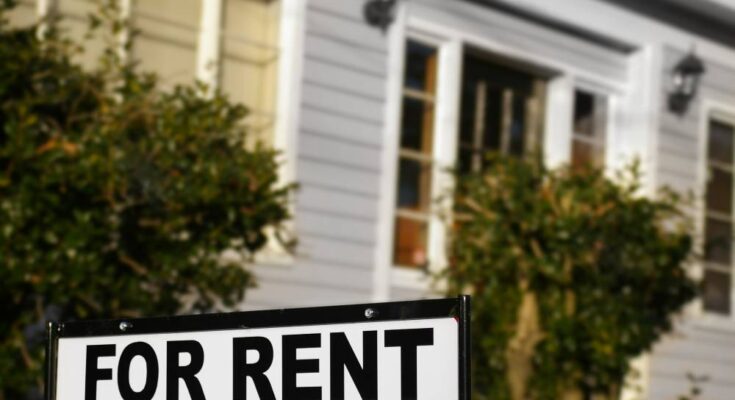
pixel 407 350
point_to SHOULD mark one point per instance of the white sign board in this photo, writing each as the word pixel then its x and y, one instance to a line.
pixel 378 351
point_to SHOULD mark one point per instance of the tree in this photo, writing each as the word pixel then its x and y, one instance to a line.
pixel 117 198
pixel 572 275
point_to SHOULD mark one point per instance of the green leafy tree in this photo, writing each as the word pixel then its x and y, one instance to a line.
pixel 572 275
pixel 117 199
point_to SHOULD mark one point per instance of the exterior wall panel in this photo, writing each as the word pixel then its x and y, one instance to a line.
pixel 695 346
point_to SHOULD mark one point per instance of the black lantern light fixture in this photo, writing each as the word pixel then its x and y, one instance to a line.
pixel 379 13
pixel 685 82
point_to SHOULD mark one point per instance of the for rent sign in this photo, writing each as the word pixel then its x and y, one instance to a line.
pixel 405 350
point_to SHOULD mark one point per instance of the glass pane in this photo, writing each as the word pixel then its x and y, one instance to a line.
pixel 468 160
pixel 481 113
pixel 409 243
pixel 584 113
pixel 716 291
pixel 416 125
pixel 720 142
pixel 718 241
pixel 493 119
pixel 518 126
pixel 420 67
pixel 414 185
pixel 719 191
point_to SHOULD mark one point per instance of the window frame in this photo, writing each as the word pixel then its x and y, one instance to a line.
pixel 611 100
pixel 442 154
pixel 555 143
pixel 711 111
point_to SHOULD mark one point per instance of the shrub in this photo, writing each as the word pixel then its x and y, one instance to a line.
pixel 116 197
pixel 572 275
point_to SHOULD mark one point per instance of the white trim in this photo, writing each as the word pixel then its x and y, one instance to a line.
pixel 126 8
pixel 444 136
pixel 451 41
pixel 292 30
pixel 289 86
pixel 208 44
pixel 389 161
pixel 709 109
pixel 492 45
pixel 557 135
pixel 44 8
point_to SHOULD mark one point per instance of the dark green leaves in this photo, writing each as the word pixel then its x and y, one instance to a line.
pixel 117 199
pixel 605 264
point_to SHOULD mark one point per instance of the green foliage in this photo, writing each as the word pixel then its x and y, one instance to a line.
pixel 601 268
pixel 117 198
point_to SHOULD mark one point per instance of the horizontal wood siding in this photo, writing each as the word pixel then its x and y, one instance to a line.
pixel 340 139
pixel 693 347
pixel 338 163
pixel 528 37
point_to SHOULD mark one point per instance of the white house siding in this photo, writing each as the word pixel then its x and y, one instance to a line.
pixel 337 163
pixel 341 120
pixel 697 346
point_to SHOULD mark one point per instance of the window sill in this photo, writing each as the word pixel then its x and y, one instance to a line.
pixel 408 278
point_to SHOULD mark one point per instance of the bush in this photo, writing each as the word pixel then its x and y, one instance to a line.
pixel 116 198
pixel 572 275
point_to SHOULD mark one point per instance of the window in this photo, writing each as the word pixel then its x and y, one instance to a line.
pixel 718 222
pixel 589 123
pixel 413 199
pixel 500 109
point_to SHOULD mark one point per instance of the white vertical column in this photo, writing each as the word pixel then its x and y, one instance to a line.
pixel 558 125
pixel 44 9
pixel 123 37
pixel 208 47
pixel 288 96
pixel 446 134
pixel 389 159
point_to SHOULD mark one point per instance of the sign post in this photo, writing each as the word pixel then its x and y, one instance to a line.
pixel 415 350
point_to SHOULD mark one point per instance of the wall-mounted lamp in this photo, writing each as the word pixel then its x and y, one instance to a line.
pixel 379 13
pixel 685 82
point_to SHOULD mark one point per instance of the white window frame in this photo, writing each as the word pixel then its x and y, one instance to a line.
pixel 612 100
pixel 451 42
pixel 446 108
pixel 710 110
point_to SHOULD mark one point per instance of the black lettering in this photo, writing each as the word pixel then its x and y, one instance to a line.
pixel 293 366
pixel 94 373
pixel 365 377
pixel 256 371
pixel 187 373
pixel 151 371
pixel 408 340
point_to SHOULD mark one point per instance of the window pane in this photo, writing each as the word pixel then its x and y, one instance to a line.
pixel 518 126
pixel 416 125
pixel 409 243
pixel 420 67
pixel 719 191
pixel 718 241
pixel 584 113
pixel 414 185
pixel 720 142
pixel 716 291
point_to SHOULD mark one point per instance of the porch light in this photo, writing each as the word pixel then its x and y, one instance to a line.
pixel 379 13
pixel 685 82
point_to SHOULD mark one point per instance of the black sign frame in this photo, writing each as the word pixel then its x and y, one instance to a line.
pixel 458 308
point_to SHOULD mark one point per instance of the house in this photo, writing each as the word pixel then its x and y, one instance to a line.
pixel 369 118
